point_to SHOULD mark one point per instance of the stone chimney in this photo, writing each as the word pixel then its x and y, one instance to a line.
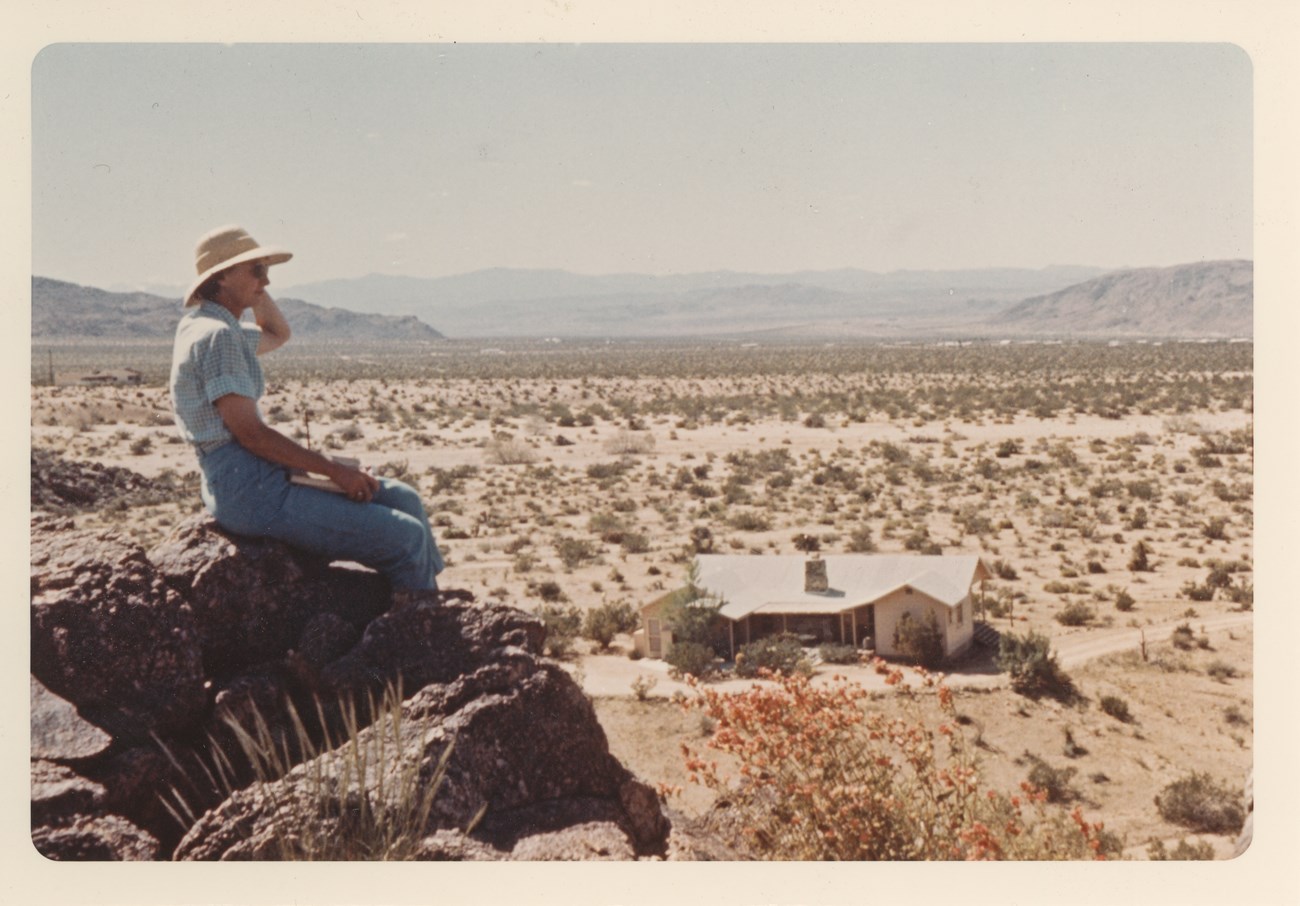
pixel 814 575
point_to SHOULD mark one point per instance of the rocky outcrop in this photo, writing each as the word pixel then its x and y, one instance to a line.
pixel 110 636
pixel 64 486
pixel 142 662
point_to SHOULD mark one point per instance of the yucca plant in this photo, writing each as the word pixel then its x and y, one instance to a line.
pixel 357 797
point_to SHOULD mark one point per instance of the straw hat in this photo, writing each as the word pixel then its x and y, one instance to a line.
pixel 225 247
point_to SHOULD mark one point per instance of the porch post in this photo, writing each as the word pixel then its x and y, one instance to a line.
pixel 731 631
pixel 854 614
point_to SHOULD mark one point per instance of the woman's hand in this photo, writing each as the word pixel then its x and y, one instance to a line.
pixel 356 484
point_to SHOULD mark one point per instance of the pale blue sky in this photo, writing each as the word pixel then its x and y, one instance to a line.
pixel 438 159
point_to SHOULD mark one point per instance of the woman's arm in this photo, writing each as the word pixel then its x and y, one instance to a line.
pixel 275 329
pixel 240 415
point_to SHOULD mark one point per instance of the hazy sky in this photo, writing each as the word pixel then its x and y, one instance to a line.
pixel 656 158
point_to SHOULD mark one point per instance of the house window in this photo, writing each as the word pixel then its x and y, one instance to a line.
pixel 959 613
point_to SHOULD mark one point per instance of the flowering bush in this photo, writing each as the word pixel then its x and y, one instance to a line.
pixel 822 778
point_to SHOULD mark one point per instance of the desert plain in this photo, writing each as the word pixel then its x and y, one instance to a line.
pixel 1109 487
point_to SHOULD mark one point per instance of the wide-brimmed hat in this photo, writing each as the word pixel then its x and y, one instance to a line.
pixel 225 247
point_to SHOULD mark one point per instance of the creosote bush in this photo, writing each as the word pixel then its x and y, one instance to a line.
pixel 1033 668
pixel 1202 851
pixel 835 653
pixel 562 626
pixel 780 653
pixel 602 623
pixel 1203 804
pixel 1116 707
pixel 827 779
pixel 687 658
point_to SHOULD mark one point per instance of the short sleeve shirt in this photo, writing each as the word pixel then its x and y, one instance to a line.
pixel 214 355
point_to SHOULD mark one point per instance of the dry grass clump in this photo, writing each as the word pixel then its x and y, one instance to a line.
pixel 359 797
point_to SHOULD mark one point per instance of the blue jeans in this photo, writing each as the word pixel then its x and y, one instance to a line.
pixel 248 495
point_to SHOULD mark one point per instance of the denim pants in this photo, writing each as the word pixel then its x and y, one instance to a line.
pixel 251 496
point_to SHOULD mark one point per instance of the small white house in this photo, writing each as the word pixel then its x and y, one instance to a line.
pixel 854 599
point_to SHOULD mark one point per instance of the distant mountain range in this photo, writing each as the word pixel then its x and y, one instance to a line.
pixel 1211 299
pixel 1208 299
pixel 67 310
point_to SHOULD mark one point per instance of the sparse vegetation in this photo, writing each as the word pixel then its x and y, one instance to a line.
pixel 1106 473
pixel 920 641
pixel 1201 803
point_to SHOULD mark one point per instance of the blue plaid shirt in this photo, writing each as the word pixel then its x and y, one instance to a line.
pixel 214 354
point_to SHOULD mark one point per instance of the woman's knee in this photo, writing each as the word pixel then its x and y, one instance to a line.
pixel 400 496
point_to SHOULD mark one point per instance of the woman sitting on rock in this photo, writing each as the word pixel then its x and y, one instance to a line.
pixel 216 381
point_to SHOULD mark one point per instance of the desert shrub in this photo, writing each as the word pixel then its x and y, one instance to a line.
pixel 562 626
pixel 1140 562
pixel 750 521
pixel 1233 714
pixel 635 542
pixel 1004 570
pixel 574 552
pixel 1008 448
pixel 920 641
pixel 1075 614
pixel 1116 707
pixel 1053 781
pixel 1032 666
pixel 701 539
pixel 1202 803
pixel 508 451
pixel 1221 671
pixel 609 527
pixel 835 653
pixel 826 779
pixel 548 590
pixel 141 446
pixel 690 659
pixel 642 685
pixel 1243 595
pixel 1202 851
pixel 1183 637
pixel 1194 592
pixel 630 443
pixel 777 654
pixel 602 623
pixel 919 540
pixel 807 543
pixel 1215 529
pixel 1124 601
pixel 604 471
pixel 860 541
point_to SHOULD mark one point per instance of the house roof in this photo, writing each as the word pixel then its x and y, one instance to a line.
pixel 775 584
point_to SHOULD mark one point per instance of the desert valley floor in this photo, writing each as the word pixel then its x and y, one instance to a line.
pixel 1064 467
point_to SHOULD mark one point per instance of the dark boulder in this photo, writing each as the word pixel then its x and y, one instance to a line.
pixel 147 661
pixel 252 598
pixel 99 838
pixel 529 773
pixel 59 733
pixel 109 636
